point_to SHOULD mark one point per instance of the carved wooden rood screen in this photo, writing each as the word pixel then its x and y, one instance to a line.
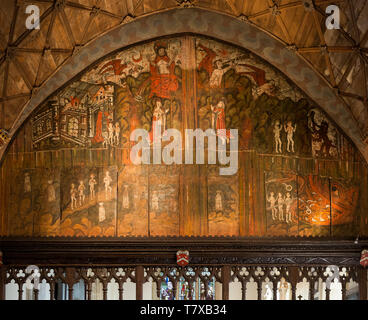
pixel 319 270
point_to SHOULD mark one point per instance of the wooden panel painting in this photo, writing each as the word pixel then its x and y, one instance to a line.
pixel 20 205
pixel 223 204
pixel 344 201
pixel 133 201
pixel 164 200
pixel 281 204
pixel 314 206
pixel 77 179
pixel 46 203
pixel 88 202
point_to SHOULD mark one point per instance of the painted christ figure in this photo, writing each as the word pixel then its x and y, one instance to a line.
pixel 163 79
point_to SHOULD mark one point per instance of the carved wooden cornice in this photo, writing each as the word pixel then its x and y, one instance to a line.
pixel 161 251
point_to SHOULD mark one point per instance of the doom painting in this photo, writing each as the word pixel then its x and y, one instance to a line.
pixel 136 88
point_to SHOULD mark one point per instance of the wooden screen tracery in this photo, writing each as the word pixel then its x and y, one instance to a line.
pixel 71 276
pixel 272 282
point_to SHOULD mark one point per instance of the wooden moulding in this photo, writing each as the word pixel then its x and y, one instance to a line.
pixel 162 251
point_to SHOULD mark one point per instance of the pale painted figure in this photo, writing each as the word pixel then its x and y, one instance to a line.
pixel 272 200
pixel 217 74
pixel 290 130
pixel 111 131
pixel 288 202
pixel 73 196
pixel 92 183
pixel 277 134
pixel 154 202
pixel 280 206
pixel 218 201
pixel 82 196
pixel 107 181
pixel 27 183
pixel 125 197
pixel 101 212
pixel 51 194
pixel 117 133
pixel 105 136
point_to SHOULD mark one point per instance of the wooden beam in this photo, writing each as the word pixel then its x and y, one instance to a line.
pixel 22 72
pixel 323 43
pixel 225 279
pixel 6 76
pixel 354 21
pixel 362 274
pixel 92 15
pixel 25 34
pixel 14 21
pixel 67 27
pixel 139 280
pixel 17 96
pixel 342 83
pixel 351 95
pixel 336 49
pixel 233 7
pixel 2 281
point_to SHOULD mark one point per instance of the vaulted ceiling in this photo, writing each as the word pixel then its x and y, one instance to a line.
pixel 29 57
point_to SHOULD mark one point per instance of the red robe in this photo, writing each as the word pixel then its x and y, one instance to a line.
pixel 98 138
pixel 163 84
pixel 220 123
